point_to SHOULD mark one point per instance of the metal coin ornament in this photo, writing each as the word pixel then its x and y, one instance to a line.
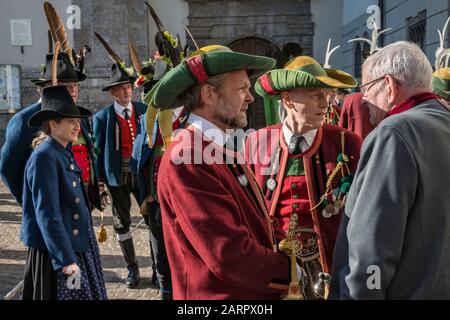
pixel 242 180
pixel 271 184
pixel 328 211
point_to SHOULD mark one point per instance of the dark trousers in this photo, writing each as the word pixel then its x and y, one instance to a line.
pixel 153 220
pixel 121 202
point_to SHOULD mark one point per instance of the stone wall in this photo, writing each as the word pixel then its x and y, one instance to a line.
pixel 117 21
pixel 211 21
pixel 221 22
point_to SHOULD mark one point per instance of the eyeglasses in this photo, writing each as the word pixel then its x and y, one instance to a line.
pixel 364 88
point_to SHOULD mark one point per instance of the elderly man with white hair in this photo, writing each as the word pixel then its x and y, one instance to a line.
pixel 394 240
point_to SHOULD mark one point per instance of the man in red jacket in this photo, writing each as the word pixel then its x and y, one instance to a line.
pixel 304 166
pixel 355 115
pixel 218 235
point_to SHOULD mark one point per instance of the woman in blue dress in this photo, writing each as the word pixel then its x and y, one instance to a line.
pixel 63 259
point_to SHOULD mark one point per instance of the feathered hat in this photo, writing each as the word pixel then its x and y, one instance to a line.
pixel 440 82
pixel 299 72
pixel 169 55
pixel 119 73
pixel 70 65
pixel 56 100
pixel 373 42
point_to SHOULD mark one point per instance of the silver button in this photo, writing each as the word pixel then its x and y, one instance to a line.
pixel 271 184
pixel 75 232
pixel 72 167
pixel 74 184
pixel 77 200
pixel 76 216
pixel 53 261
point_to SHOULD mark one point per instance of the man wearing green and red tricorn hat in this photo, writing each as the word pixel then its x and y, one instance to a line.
pixel 303 166
pixel 218 235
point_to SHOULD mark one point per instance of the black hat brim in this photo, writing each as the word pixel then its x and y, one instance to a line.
pixel 132 80
pixel 41 82
pixel 40 116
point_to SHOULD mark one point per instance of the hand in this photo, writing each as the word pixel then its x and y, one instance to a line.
pixel 71 269
pixel 149 199
pixel 105 198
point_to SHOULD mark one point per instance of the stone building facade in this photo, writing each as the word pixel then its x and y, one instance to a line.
pixel 280 29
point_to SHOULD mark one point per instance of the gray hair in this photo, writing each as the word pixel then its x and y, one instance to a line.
pixel 405 61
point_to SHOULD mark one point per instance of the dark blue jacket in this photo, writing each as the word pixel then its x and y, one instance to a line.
pixel 55 212
pixel 109 159
pixel 17 149
pixel 141 153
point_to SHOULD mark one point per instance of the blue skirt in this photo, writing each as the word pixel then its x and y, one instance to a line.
pixel 91 285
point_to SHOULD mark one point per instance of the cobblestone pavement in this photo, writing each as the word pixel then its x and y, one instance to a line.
pixel 13 253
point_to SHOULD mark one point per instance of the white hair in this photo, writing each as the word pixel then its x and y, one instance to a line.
pixel 405 61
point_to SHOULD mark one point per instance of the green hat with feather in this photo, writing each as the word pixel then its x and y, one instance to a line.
pixel 299 72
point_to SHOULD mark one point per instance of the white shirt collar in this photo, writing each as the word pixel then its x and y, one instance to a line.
pixel 209 130
pixel 118 108
pixel 176 113
pixel 309 137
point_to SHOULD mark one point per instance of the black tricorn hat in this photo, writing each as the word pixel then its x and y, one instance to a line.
pixel 118 76
pixel 57 103
pixel 66 71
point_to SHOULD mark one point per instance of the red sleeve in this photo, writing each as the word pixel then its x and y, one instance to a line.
pixel 354 142
pixel 211 219
pixel 343 120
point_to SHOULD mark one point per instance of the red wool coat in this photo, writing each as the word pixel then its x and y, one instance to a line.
pixel 355 115
pixel 217 237
pixel 290 194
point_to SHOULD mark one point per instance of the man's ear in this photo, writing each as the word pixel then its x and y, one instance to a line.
pixel 112 92
pixel 392 87
pixel 286 100
pixel 208 94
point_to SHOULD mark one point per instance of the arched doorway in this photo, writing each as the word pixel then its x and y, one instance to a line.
pixel 258 46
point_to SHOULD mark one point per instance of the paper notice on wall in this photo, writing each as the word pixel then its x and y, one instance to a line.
pixel 21 32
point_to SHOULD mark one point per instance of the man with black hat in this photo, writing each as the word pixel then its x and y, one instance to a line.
pixel 19 135
pixel 115 128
